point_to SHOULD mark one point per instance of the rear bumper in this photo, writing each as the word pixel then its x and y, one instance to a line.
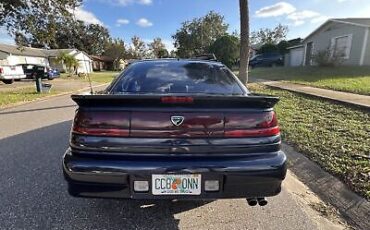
pixel 255 175
pixel 10 77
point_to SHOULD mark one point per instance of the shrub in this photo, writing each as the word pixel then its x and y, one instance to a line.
pixel 327 58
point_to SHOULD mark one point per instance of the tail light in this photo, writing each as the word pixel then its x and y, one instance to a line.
pixel 107 123
pixel 1 70
pixel 177 100
pixel 117 124
pixel 251 125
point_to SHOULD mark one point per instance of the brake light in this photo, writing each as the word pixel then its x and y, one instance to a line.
pixel 177 100
pixel 101 123
pixel 1 70
pixel 252 125
pixel 253 132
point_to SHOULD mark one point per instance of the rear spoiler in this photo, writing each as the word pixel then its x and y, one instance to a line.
pixel 155 101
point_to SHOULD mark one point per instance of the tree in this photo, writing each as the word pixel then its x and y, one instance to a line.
pixel 50 24
pixel 271 36
pixel 244 40
pixel 157 47
pixel 138 48
pixel 91 38
pixel 70 61
pixel 173 54
pixel 281 47
pixel 115 49
pixel 268 48
pixel 163 53
pixel 195 37
pixel 36 21
pixel 226 49
pixel 95 37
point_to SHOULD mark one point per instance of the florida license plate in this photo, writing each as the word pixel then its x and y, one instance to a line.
pixel 167 184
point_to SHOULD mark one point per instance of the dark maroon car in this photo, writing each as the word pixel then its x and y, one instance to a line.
pixel 175 129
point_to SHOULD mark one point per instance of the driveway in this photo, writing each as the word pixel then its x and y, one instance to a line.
pixel 33 194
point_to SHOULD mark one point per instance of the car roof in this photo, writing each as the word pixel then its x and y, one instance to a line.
pixel 179 60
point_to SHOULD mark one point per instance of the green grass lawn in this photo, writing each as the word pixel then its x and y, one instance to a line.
pixel 100 77
pixel 347 79
pixel 330 134
pixel 15 96
pixel 21 95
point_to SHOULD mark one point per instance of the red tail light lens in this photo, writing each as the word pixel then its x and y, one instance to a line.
pixel 251 125
pixel 177 100
pixel 1 70
pixel 107 123
pixel 253 132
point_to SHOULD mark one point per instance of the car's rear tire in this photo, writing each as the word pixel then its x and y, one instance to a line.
pixel 8 81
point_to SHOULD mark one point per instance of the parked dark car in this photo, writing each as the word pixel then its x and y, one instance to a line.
pixel 267 60
pixel 45 72
pixel 175 129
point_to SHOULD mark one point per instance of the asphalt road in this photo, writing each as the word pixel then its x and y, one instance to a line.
pixel 33 194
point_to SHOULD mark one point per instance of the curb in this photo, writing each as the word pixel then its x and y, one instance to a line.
pixel 355 209
pixel 51 96
pixel 345 102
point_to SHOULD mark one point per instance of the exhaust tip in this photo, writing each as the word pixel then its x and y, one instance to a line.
pixel 262 201
pixel 252 201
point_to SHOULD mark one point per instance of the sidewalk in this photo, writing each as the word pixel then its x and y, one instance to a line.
pixel 349 98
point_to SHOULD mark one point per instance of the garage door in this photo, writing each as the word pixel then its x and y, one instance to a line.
pixel 296 57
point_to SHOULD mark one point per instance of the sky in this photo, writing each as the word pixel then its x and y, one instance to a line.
pixel 149 19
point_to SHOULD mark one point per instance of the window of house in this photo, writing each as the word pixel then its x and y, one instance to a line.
pixel 342 46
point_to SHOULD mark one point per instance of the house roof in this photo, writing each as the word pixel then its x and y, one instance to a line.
pixel 36 52
pixel 101 58
pixel 295 47
pixel 56 52
pixel 361 22
pixel 26 51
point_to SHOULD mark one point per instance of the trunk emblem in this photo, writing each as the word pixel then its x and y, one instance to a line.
pixel 177 120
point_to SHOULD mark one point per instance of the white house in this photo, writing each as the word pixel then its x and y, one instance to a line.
pixel 15 55
pixel 84 61
pixel 347 38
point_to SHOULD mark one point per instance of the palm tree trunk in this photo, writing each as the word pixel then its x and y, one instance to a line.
pixel 244 40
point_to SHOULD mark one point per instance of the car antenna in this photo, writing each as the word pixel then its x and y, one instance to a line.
pixel 91 88
pixel 88 77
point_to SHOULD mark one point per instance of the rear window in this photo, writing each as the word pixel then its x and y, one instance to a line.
pixel 177 77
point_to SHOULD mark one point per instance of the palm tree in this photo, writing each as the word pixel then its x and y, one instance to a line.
pixel 244 40
pixel 70 61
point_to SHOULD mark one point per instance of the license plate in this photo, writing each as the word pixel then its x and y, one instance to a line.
pixel 168 184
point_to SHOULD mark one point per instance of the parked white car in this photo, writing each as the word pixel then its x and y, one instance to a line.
pixel 10 73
